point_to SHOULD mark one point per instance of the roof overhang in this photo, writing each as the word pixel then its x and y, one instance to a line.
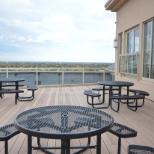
pixel 114 5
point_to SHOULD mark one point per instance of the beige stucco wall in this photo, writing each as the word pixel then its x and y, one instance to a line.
pixel 135 13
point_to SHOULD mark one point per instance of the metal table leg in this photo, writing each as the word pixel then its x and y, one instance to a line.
pixel 29 144
pixel 98 146
pixel 65 146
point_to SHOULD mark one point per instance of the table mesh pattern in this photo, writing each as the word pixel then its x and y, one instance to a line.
pixel 7 130
pixel 138 149
pixel 64 119
pixel 122 131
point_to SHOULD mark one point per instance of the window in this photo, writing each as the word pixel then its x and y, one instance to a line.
pixel 128 60
pixel 128 64
pixel 132 49
pixel 130 42
pixel 136 40
pixel 133 41
pixel 148 60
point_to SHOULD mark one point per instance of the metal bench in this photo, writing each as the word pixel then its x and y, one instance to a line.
pixel 12 85
pixel 103 89
pixel 12 91
pixel 6 133
pixel 140 149
pixel 122 131
pixel 32 88
pixel 135 99
pixel 98 89
pixel 139 92
pixel 90 93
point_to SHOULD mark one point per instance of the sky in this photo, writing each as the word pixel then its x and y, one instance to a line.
pixel 56 31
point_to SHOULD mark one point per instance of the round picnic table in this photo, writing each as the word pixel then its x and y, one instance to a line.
pixel 64 122
pixel 14 82
pixel 119 84
pixel 115 84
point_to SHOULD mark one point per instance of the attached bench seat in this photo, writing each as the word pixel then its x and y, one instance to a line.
pixel 4 90
pixel 135 99
pixel 104 89
pixel 11 85
pixel 140 149
pixel 6 133
pixel 90 93
pixel 32 88
pixel 139 92
pixel 11 91
pixel 7 86
pixel 122 131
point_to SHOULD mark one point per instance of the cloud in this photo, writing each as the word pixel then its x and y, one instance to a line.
pixel 54 29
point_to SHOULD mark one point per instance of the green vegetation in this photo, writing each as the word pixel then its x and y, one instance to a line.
pixel 53 65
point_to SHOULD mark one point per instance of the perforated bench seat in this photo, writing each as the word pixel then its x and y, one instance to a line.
pixel 140 149
pixel 12 85
pixel 122 131
pixel 139 92
pixel 97 88
pixel 6 133
pixel 105 90
pixel 90 93
pixel 11 91
pixel 32 88
pixel 135 99
pixel 124 97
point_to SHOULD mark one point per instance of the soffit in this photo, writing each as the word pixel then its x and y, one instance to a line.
pixel 114 5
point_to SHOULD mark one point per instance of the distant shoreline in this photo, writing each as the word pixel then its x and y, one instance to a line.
pixel 25 64
pixel 54 62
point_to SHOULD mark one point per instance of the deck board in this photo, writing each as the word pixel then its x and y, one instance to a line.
pixel 142 120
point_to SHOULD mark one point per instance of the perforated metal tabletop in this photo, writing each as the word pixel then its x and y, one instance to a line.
pixel 63 122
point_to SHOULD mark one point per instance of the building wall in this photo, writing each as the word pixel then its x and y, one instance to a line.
pixel 135 13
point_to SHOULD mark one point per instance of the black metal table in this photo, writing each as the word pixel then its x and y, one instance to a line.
pixel 119 84
pixel 11 82
pixel 64 123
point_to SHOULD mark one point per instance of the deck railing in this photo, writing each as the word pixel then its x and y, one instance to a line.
pixel 58 76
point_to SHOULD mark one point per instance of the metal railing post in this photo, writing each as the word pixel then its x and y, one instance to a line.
pixel 62 76
pixel 83 75
pixel 36 76
pixel 104 75
pixel 7 72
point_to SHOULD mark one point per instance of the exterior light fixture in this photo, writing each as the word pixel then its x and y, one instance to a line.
pixel 115 43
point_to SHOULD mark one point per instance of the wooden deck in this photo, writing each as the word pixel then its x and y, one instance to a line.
pixel 142 120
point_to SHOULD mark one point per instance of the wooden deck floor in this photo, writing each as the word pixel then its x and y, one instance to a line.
pixel 142 120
